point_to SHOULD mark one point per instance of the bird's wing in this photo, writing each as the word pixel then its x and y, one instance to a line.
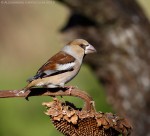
pixel 61 62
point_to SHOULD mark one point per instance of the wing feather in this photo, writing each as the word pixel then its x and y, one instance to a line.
pixel 61 62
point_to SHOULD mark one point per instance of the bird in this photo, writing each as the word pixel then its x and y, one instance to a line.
pixel 62 67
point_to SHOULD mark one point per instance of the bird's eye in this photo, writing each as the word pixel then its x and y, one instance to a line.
pixel 83 46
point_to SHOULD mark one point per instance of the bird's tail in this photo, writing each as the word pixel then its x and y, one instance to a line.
pixel 30 85
pixel 33 83
pixel 25 89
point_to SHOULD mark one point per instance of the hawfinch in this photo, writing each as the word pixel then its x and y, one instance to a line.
pixel 62 67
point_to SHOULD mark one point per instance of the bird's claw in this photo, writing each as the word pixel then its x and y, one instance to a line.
pixel 70 88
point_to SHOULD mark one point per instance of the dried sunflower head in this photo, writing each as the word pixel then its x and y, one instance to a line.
pixel 72 121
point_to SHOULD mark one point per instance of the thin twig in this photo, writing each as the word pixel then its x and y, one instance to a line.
pixel 89 106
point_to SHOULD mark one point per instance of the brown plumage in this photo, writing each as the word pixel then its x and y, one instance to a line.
pixel 60 58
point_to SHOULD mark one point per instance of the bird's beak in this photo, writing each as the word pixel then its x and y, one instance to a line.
pixel 90 49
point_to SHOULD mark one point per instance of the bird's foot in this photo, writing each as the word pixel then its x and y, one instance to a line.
pixel 70 88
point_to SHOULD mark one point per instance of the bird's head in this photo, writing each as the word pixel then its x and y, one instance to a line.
pixel 78 48
pixel 82 46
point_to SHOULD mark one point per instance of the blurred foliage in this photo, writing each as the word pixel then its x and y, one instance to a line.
pixel 29 36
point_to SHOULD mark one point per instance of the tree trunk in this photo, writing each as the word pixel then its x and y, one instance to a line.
pixel 121 34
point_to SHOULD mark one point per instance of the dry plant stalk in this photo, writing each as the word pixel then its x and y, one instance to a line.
pixel 72 121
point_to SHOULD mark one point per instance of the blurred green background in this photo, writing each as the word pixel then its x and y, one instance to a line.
pixel 29 35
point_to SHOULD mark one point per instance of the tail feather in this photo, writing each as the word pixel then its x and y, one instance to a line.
pixel 30 85
pixel 33 78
